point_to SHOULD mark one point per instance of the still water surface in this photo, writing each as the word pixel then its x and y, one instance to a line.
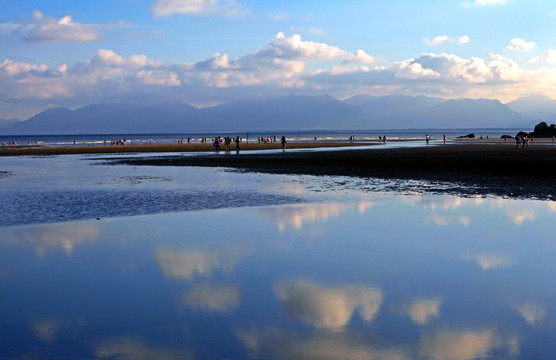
pixel 332 271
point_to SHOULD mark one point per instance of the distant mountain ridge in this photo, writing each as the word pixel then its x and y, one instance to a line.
pixel 290 112
pixel 8 122
pixel 535 107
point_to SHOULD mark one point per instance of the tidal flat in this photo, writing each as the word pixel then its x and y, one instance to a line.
pixel 104 261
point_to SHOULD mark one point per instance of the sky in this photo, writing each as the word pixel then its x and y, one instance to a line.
pixel 67 53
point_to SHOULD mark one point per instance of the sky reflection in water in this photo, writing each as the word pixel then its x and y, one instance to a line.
pixel 397 277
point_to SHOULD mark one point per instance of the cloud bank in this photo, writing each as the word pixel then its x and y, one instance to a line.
pixel 285 65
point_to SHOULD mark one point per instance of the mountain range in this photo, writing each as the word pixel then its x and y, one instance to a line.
pixel 291 112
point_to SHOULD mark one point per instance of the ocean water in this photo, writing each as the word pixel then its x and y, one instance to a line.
pixel 103 261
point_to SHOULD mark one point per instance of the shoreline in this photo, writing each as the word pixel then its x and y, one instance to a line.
pixel 478 168
pixel 170 148
pixel 16 150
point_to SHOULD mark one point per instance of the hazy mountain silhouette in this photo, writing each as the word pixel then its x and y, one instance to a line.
pixel 110 118
pixel 535 107
pixel 8 122
pixel 291 112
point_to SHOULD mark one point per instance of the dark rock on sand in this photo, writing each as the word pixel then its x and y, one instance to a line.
pixel 542 129
pixel 468 136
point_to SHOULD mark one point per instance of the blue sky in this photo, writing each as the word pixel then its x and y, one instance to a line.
pixel 205 52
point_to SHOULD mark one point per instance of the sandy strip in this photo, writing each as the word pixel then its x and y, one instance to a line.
pixel 161 148
pixel 488 167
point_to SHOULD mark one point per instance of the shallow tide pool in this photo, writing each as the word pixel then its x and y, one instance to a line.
pixel 390 276
pixel 105 261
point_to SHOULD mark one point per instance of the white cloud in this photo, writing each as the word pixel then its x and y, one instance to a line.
pixel 225 8
pixel 65 29
pixel 46 29
pixel 517 44
pixel 283 65
pixel 549 57
pixel 486 2
pixel 437 40
pixel 462 39
pixel 443 39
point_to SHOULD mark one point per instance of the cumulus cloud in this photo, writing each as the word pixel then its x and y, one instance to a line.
pixel 284 65
pixel 440 40
pixel 43 28
pixel 517 44
pixel 225 8
pixel 549 57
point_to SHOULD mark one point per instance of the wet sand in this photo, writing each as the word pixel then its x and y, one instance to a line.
pixel 496 168
pixel 161 148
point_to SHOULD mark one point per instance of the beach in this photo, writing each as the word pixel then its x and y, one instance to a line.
pixel 496 166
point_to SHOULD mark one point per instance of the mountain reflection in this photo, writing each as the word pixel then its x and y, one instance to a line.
pixel 275 343
pixel 211 298
pixel 326 307
pixel 296 215
pixel 45 238
pixel 133 349
pixel 185 264
pixel 464 345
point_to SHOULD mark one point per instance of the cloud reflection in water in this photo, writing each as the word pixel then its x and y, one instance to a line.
pixel 327 307
pixel 185 264
pixel 212 298
pixel 295 216
pixel 52 237
pixel 422 311
pixel 465 345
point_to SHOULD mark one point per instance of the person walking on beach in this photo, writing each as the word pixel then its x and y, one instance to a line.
pixel 283 142
pixel 517 141
pixel 237 143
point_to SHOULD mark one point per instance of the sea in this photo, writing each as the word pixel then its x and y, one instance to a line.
pixel 100 260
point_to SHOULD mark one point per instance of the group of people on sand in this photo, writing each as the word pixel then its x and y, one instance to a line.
pixel 217 141
pixel 268 139
pixel 523 140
